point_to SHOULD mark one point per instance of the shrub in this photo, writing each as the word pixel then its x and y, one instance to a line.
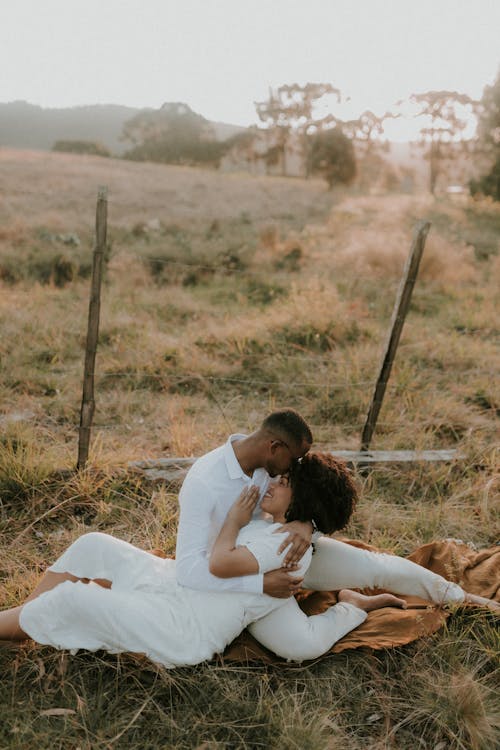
pixel 23 466
pixel 332 156
pixel 489 184
pixel 56 268
pixel 81 147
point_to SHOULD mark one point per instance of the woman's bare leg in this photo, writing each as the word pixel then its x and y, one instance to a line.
pixel 50 580
pixel 9 618
pixel 9 625
pixel 10 629
pixel 369 603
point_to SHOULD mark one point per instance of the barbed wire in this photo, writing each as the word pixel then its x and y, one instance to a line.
pixel 190 379
pixel 138 374
pixel 112 200
pixel 334 357
pixel 227 269
pixel 258 381
pixel 437 424
pixel 222 378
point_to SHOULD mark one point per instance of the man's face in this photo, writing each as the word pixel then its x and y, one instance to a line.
pixel 281 456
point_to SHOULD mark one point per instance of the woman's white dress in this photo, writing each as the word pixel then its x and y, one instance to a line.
pixel 146 610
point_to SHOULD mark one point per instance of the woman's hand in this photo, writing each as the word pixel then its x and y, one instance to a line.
pixel 241 511
pixel 227 560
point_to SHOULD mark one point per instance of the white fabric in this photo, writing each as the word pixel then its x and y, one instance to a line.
pixel 336 565
pixel 145 611
pixel 291 634
pixel 210 488
pixel 263 547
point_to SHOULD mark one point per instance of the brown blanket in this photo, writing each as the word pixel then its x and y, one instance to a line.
pixel 477 572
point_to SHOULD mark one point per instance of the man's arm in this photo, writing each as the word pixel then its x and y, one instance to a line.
pixel 300 536
pixel 196 508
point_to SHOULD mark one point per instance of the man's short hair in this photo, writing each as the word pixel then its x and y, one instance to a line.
pixel 289 425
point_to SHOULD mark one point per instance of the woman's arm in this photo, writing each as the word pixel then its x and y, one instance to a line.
pixel 227 560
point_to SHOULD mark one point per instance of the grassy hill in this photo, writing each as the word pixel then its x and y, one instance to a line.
pixel 225 296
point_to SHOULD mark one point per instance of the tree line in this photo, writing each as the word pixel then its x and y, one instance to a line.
pixel 338 150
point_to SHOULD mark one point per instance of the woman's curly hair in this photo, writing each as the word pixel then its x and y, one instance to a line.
pixel 323 491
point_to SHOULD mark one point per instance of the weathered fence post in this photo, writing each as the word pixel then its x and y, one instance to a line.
pixel 88 403
pixel 401 307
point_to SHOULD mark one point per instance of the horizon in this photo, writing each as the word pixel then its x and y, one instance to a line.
pixel 394 140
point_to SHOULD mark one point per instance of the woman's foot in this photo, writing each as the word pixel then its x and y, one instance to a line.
pixel 482 601
pixel 367 603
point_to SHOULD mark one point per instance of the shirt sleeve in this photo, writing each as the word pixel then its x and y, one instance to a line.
pixel 197 505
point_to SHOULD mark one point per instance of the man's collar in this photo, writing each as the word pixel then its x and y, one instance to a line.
pixel 233 467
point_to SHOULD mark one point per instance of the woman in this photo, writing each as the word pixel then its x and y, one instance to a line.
pixel 337 566
pixel 133 603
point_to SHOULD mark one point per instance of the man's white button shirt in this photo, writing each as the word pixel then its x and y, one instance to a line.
pixel 210 488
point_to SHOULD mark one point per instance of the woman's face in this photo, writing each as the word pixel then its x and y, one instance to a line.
pixel 277 498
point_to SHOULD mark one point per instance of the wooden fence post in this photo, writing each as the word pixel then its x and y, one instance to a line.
pixel 88 403
pixel 401 307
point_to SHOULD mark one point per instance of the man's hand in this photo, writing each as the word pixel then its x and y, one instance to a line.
pixel 242 509
pixel 281 584
pixel 299 539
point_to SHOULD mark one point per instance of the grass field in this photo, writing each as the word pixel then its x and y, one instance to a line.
pixel 226 296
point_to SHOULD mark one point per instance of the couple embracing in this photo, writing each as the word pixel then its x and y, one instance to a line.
pixel 251 514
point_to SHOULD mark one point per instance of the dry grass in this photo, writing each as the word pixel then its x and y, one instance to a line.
pixel 225 296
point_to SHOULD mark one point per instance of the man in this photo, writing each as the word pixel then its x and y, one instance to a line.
pixel 212 485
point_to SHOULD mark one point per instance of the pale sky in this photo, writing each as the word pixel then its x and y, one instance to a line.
pixel 219 56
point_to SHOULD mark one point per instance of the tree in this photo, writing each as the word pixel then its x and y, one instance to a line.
pixel 488 127
pixel 81 147
pixel 366 133
pixel 173 134
pixel 332 156
pixel 446 115
pixel 488 184
pixel 488 142
pixel 366 129
pixel 291 108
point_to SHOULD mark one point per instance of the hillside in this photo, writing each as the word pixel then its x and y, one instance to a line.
pixel 28 126
pixel 40 188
